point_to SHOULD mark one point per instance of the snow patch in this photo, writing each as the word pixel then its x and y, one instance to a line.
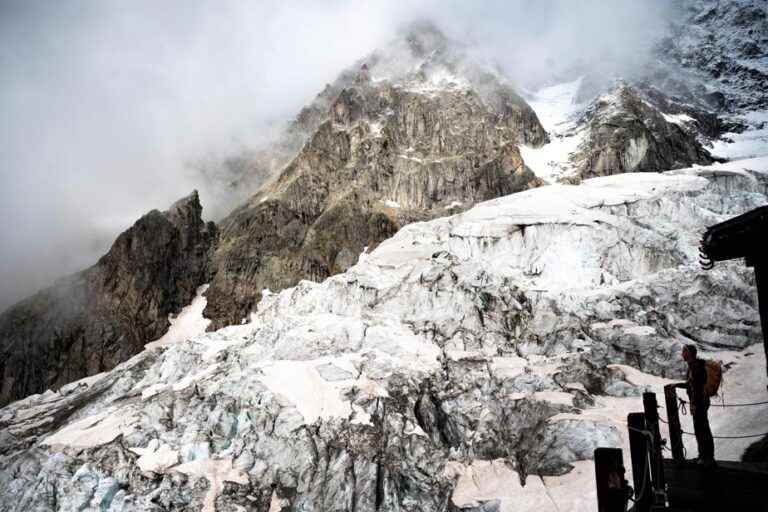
pixel 95 430
pixel 495 481
pixel 556 109
pixel 156 457
pixel 753 142
pixel 314 396
pixel 188 324
pixel 679 119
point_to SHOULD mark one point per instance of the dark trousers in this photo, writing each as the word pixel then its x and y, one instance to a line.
pixel 703 432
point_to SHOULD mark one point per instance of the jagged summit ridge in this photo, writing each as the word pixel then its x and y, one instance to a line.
pixel 406 136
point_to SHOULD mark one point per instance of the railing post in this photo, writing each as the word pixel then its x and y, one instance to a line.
pixel 673 422
pixel 638 449
pixel 657 463
pixel 761 281
pixel 612 491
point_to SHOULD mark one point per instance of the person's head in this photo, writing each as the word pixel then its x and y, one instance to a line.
pixel 689 353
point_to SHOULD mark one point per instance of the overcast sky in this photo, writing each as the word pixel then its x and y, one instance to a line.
pixel 103 104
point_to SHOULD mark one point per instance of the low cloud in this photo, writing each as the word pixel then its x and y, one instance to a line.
pixel 104 105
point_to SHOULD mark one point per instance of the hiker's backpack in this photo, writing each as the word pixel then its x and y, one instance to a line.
pixel 714 376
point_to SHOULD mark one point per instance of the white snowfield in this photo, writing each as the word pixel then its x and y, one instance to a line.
pixel 457 356
pixel 750 143
pixel 557 110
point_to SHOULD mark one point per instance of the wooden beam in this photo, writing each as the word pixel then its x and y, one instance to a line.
pixel 673 421
pixel 638 448
pixel 612 489
pixel 761 280
pixel 725 487
pixel 651 408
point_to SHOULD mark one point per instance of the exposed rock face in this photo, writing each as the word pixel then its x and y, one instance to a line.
pixel 91 321
pixel 481 339
pixel 725 43
pixel 437 135
pixel 627 133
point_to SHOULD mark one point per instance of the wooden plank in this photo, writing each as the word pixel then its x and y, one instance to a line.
pixel 651 408
pixel 727 486
pixel 612 488
pixel 638 446
pixel 673 420
pixel 761 281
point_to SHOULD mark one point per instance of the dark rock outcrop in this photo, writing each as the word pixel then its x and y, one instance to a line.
pixel 91 321
pixel 628 133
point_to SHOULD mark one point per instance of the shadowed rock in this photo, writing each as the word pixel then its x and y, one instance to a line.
pixel 89 322
pixel 627 133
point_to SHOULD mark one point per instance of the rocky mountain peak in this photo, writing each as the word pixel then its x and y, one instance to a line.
pixel 411 132
pixel 91 321
pixel 186 207
pixel 628 133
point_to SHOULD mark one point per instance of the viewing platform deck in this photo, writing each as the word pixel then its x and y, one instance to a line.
pixel 726 486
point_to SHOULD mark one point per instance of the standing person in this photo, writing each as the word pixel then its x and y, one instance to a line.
pixel 699 404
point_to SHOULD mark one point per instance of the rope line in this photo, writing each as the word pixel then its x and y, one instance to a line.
pixel 682 407
pixel 729 437
pixel 728 405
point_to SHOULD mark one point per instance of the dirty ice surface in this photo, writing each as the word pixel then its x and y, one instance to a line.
pixel 333 353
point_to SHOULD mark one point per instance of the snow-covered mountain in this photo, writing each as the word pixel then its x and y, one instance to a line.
pixel 447 296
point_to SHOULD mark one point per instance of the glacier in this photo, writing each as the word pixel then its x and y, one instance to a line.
pixel 472 362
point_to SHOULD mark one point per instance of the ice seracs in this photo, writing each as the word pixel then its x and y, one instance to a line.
pixel 507 341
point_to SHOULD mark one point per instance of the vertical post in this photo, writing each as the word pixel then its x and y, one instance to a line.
pixel 638 449
pixel 657 464
pixel 612 492
pixel 673 421
pixel 761 280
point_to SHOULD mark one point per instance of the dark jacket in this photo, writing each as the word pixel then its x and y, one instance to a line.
pixel 697 379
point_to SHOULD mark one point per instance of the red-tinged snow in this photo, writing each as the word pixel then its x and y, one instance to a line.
pixel 188 324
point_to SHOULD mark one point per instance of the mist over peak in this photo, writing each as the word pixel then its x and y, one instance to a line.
pixel 111 109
